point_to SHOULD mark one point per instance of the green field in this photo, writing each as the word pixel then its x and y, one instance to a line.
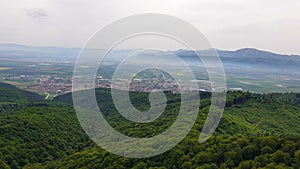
pixel 4 68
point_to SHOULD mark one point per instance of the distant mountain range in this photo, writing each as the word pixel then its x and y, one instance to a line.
pixel 22 51
pixel 33 51
pixel 247 68
pixel 250 58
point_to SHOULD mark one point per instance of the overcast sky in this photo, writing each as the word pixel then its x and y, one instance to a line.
pixel 272 25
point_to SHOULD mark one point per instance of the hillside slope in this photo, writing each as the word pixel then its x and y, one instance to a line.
pixel 10 93
pixel 39 133
pixel 255 131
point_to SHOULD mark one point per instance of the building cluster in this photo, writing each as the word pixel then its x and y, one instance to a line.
pixel 150 84
pixel 52 84
pixel 18 78
pixel 59 84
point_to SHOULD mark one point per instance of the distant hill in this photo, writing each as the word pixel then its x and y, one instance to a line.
pixel 21 52
pixel 249 58
pixel 252 55
pixel 261 59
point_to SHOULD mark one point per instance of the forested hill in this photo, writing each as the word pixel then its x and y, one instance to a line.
pixel 33 130
pixel 245 113
pixel 256 131
pixel 11 97
pixel 10 93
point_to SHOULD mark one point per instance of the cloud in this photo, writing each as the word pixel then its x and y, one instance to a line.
pixel 228 24
pixel 37 13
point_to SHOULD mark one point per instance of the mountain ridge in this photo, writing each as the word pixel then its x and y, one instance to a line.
pixel 15 46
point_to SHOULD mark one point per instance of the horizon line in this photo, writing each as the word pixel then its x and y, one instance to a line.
pixel 217 49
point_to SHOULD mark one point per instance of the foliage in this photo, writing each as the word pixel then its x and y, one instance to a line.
pixel 256 131
pixel 217 152
pixel 39 133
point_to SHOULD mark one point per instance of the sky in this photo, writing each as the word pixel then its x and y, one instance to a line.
pixel 272 25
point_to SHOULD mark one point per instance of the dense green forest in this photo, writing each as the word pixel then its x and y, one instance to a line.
pixel 12 97
pixel 256 131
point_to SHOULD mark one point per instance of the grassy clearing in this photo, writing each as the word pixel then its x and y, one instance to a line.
pixel 50 96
